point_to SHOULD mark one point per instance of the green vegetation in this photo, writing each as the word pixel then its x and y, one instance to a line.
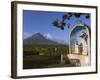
pixel 68 16
pixel 40 61
pixel 41 56
pixel 46 49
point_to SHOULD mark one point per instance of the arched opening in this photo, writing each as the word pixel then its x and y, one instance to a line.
pixel 79 44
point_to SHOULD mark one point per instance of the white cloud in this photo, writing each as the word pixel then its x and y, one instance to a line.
pixel 48 36
pixel 26 35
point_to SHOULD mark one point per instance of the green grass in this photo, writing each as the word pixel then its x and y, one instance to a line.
pixel 33 59
pixel 47 49
pixel 38 61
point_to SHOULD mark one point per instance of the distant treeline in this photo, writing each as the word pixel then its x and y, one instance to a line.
pixel 45 49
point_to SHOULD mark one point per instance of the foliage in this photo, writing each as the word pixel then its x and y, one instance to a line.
pixel 51 56
pixel 46 49
pixel 61 24
pixel 84 35
pixel 39 61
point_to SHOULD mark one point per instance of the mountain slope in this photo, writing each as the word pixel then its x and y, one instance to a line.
pixel 39 39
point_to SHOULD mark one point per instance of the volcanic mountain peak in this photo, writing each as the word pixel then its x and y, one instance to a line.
pixel 38 38
pixel 37 34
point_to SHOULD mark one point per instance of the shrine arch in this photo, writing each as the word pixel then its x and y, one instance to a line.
pixel 79 40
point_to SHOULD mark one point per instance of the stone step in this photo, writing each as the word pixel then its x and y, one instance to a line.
pixel 84 60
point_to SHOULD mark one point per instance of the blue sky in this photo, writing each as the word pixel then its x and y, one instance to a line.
pixel 41 21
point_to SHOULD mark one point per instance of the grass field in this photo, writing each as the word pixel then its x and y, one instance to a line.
pixel 42 56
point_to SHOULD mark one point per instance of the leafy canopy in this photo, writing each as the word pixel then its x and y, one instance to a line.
pixel 61 24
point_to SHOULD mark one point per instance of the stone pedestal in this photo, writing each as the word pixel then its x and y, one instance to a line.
pixel 84 60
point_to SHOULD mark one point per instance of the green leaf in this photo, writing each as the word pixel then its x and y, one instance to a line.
pixel 55 23
pixel 87 16
pixel 62 27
